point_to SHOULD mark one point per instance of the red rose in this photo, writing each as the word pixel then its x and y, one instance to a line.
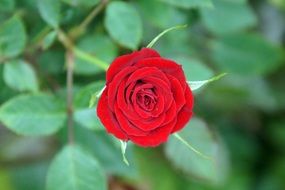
pixel 146 98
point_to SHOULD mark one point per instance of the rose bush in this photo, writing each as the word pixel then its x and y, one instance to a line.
pixel 146 98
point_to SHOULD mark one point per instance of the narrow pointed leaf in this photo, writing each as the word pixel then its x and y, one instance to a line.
pixel 163 33
pixel 195 85
pixel 123 150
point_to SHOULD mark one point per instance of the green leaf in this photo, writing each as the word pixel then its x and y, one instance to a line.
pixel 246 54
pixel 94 98
pixel 124 145
pixel 163 33
pixel 82 3
pixel 12 37
pixel 123 24
pixel 278 3
pixel 84 115
pixel 100 46
pixel 199 136
pixel 156 171
pixel 88 118
pixel 7 5
pixel 50 11
pixel 82 98
pixel 52 61
pixel 106 148
pixel 49 40
pixel 187 4
pixel 193 68
pixel 28 176
pixel 237 92
pixel 195 85
pixel 20 76
pixel 74 169
pixel 228 16
pixel 152 11
pixel 5 180
pixel 33 115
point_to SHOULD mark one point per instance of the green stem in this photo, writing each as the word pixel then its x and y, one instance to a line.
pixel 80 54
pixel 91 59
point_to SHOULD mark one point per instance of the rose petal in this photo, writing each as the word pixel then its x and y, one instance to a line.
pixel 142 73
pixel 186 112
pixel 149 124
pixel 113 86
pixel 155 137
pixel 178 92
pixel 108 118
pixel 128 60
pixel 170 114
pixel 126 126
pixel 165 65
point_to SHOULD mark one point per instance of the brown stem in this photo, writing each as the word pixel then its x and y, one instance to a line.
pixel 69 84
pixel 77 31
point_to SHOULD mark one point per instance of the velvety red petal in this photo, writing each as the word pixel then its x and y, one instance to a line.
pixel 178 92
pixel 126 126
pixel 142 73
pixel 165 65
pixel 186 112
pixel 113 86
pixel 108 118
pixel 124 104
pixel 163 91
pixel 124 61
pixel 149 124
pixel 155 137
pixel 170 114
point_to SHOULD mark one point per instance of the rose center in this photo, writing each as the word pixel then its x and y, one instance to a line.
pixel 146 99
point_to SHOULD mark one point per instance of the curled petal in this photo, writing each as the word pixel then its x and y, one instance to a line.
pixel 186 112
pixel 128 60
pixel 178 92
pixel 165 65
pixel 108 118
pixel 113 86
pixel 126 126
pixel 155 137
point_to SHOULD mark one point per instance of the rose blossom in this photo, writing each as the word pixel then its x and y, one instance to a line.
pixel 146 98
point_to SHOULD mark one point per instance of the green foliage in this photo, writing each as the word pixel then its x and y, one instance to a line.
pixel 84 115
pixel 82 3
pixel 152 10
pixel 33 115
pixel 20 76
pixel 12 38
pixel 50 11
pixel 228 16
pixel 73 169
pixel 242 130
pixel 124 24
pixel 99 45
pixel 7 5
pixel 212 168
pixel 246 54
pixel 194 69
pixel 189 3
pixel 49 40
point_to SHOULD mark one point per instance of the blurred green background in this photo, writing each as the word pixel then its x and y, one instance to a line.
pixel 239 120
